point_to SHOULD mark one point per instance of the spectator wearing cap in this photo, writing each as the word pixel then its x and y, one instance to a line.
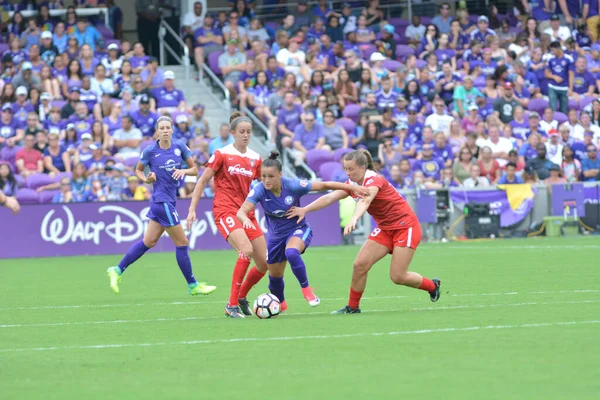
pixel 439 121
pixel 21 107
pixel 415 32
pixel 554 148
pixel 127 139
pixel 540 164
pixel 558 69
pixel 48 51
pixel 84 151
pixel 207 40
pixel 96 163
pixel 135 191
pixel 292 59
pixel 100 84
pixel 582 82
pixel 44 107
pixel 504 107
pixel 144 119
pixel 28 159
pixel 231 63
pixel 56 157
pixel 87 34
pixel 225 138
pixel 556 31
pixel 443 19
pixel 534 125
pixel 25 78
pixel 168 97
pixel 590 166
pixel 182 129
pixel 427 164
pixel 483 31
pixel 112 63
pixel 347 18
pixel 554 178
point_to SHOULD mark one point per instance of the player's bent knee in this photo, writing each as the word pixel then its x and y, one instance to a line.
pixel 150 243
pixel 246 252
pixel 361 268
pixel 399 278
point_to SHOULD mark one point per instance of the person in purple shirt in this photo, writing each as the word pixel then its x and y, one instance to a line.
pixel 87 95
pixel 322 10
pixel 308 135
pixel 488 66
pixel 10 131
pixel 446 82
pixel 430 166
pixel 81 120
pixel 581 82
pixel 274 72
pixel 98 160
pixel 520 126
pixel 510 177
pixel 443 150
pixel 415 128
pixel 482 31
pixel 580 148
pixel 386 97
pixel 558 69
pixel 288 117
pixel 53 120
pixel 167 96
pixel 15 52
pixel 152 75
pixel 207 40
pixel 139 59
pixel 336 57
pixel 144 119
pixel 21 108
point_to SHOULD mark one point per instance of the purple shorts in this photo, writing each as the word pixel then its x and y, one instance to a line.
pixel 164 213
pixel 276 245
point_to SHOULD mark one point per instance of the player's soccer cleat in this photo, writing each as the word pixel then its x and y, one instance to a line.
pixel 233 312
pixel 347 310
pixel 312 299
pixel 435 295
pixel 245 307
pixel 114 276
pixel 200 288
pixel 283 307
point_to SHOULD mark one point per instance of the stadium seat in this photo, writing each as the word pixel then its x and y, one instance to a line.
pixel 272 25
pixel 106 32
pixel 328 169
pixel 348 125
pixel 351 111
pixel 146 143
pixel 421 63
pixel 9 154
pixel 61 175
pixel 403 51
pixel 339 153
pixel 46 196
pixel 392 65
pixel 213 62
pixel 315 158
pixel 560 117
pixel 586 101
pixel 58 104
pixel 27 196
pixel 115 41
pixel 4 47
pixel 38 180
pixel 573 104
pixel 538 105
pixel 20 181
pixel 339 175
pixel 396 22
pixel 131 162
pixel 426 20
pixel 379 36
pixel 367 51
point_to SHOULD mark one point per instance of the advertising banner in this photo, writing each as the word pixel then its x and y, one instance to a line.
pixel 48 230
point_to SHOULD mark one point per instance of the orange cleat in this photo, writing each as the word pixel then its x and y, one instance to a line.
pixel 312 299
pixel 283 307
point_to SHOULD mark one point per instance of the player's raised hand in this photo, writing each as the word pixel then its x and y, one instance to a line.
pixel 296 212
pixel 178 174
pixel 191 218
pixel 350 227
pixel 151 178
pixel 247 224
pixel 361 191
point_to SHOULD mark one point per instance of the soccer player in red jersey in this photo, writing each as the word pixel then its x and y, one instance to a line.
pixel 234 167
pixel 398 231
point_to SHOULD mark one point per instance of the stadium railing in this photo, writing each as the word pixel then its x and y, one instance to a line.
pixel 165 29
pixel 81 12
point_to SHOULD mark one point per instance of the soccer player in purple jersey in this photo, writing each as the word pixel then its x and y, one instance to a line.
pixel 287 239
pixel 164 158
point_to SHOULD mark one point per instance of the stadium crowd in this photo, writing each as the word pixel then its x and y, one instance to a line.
pixel 450 101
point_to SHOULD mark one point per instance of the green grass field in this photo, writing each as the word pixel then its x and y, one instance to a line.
pixel 518 319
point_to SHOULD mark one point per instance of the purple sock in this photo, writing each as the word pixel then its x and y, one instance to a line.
pixel 133 254
pixel 276 287
pixel 185 264
pixel 298 267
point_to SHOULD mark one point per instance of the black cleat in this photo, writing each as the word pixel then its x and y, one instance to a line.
pixel 347 310
pixel 233 312
pixel 245 307
pixel 435 295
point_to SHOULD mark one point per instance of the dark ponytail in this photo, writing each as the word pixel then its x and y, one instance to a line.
pixel 362 158
pixel 273 161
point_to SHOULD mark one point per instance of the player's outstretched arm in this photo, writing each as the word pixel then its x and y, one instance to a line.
pixel 9 202
pixel 139 173
pixel 321 202
pixel 207 175
pixel 359 191
pixel 242 215
pixel 361 207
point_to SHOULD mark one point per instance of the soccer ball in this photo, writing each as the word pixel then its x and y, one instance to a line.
pixel 266 306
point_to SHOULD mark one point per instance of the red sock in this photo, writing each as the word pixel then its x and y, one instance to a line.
pixel 239 271
pixel 354 300
pixel 427 285
pixel 252 279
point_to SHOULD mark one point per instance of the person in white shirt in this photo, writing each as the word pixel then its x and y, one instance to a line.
pixel 127 139
pixel 554 148
pixel 113 61
pixel 193 20
pixel 439 121
pixel 585 125
pixel 571 122
pixel 548 122
pixel 100 84
pixel 499 145
pixel 292 59
pixel 415 32
pixel 475 180
pixel 556 31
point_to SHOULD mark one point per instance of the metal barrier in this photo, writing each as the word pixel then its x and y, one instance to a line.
pixel 164 28
pixel 288 155
pixel 216 81
pixel 81 12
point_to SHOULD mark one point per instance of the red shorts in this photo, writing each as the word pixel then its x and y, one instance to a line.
pixel 406 237
pixel 227 223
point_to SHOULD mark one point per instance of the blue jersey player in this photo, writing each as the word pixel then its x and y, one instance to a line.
pixel 287 239
pixel 164 159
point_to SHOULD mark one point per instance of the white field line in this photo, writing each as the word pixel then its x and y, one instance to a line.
pixel 440 308
pixel 296 338
pixel 184 303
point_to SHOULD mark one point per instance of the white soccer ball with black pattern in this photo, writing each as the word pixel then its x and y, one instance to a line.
pixel 266 306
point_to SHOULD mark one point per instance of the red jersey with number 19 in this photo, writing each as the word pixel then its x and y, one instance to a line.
pixel 234 173
pixel 389 209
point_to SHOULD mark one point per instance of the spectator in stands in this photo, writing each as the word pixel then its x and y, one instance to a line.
pixel 427 164
pixel 554 148
pixel 534 125
pixel 113 62
pixel 86 34
pixel 548 122
pixel 288 118
pixel 571 166
pixel 554 177
pixel 510 177
pixel 442 150
pixel 29 160
pixel 8 183
pixel 127 139
pixel 443 20
pixel 307 136
pixel 489 166
pixel 388 154
pixel 100 84
pixel 31 35
pixel 222 140
pixel 198 123
pixel 292 59
pixel 590 166
pixel 232 63
pixel 335 135
pixel 465 95
pixel 65 195
pixel 513 157
pixel 556 31
pixel 207 40
pixel 461 169
pixel 143 118
pixel 182 129
pixel 582 82
pixel 476 180
pixel 500 146
pixel 439 121
pixel 504 107
pixel 135 191
pixel 234 30
pixel 415 32
pixel 152 75
pixel 540 164
pixel 193 20
pixel 81 119
pixel 168 98
pixel 97 162
pixel 557 73
pixel 25 78
pixel 56 158
pixel 115 182
pixel 124 78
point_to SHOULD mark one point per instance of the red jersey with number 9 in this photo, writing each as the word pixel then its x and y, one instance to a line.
pixel 234 172
pixel 389 209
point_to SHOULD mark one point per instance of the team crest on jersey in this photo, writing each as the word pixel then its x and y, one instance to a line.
pixel 177 152
pixel 304 183
pixel 369 182
pixel 289 200
pixel 252 162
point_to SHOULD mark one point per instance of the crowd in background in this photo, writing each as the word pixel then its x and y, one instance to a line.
pixel 457 101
